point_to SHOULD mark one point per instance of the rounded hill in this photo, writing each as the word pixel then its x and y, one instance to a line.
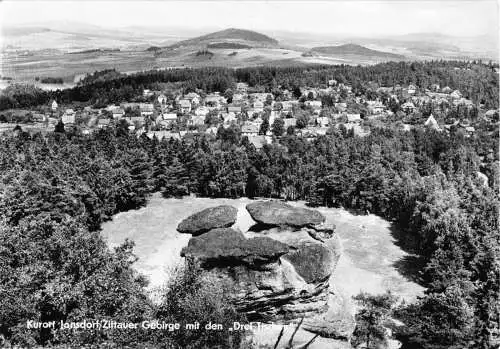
pixel 235 36
pixel 353 50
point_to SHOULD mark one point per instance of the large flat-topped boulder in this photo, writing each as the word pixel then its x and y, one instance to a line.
pixel 277 213
pixel 228 247
pixel 210 218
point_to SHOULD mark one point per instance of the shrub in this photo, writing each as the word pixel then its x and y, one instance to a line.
pixel 370 320
pixel 191 296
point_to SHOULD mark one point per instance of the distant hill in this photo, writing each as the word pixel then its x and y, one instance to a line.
pixel 353 50
pixel 241 37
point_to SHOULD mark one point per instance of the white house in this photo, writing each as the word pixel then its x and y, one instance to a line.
pixel 196 120
pixel 259 141
pixel 490 114
pixel 146 109
pixel 167 119
pixel 306 92
pixel 432 123
pixel 470 130
pixel 262 97
pixel 39 117
pixel 353 118
pixel 290 122
pixel 456 94
pixel 54 105
pixel 162 99
pixel 118 113
pixel 215 100
pixel 273 116
pixel 231 108
pixel 322 121
pixel 229 117
pixel 435 87
pixel 164 134
pixel 211 130
pixel 408 107
pixel 462 101
pixel 250 129
pixel 131 105
pixel 287 106
pixel 238 97
pixel 194 98
pixel 358 130
pixel 68 116
pixel 135 120
pixel 103 123
pixel 202 111
pixel 316 105
pixel 376 107
pixel 242 87
pixel 185 106
pixel 341 106
pixel 258 106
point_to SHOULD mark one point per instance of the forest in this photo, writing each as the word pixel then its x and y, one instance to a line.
pixel 477 81
pixel 57 190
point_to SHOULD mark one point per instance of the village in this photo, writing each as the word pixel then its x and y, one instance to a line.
pixel 263 117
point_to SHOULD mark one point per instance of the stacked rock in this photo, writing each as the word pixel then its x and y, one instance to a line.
pixel 279 269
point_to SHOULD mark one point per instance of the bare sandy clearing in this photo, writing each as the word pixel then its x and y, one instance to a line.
pixel 367 263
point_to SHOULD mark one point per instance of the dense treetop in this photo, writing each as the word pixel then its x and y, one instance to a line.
pixel 476 81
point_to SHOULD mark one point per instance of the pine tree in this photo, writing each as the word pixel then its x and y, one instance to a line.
pixel 176 180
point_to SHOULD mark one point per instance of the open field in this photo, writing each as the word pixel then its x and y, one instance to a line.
pixel 367 263
pixel 71 66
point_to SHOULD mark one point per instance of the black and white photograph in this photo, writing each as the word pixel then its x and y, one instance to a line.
pixel 266 174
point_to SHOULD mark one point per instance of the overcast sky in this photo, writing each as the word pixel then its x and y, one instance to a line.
pixel 371 17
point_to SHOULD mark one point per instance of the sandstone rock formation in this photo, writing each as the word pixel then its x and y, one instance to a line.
pixel 277 213
pixel 210 218
pixel 279 270
pixel 227 247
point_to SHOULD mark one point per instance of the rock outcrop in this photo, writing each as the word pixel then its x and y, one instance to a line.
pixel 279 269
pixel 210 218
pixel 277 213
pixel 226 247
